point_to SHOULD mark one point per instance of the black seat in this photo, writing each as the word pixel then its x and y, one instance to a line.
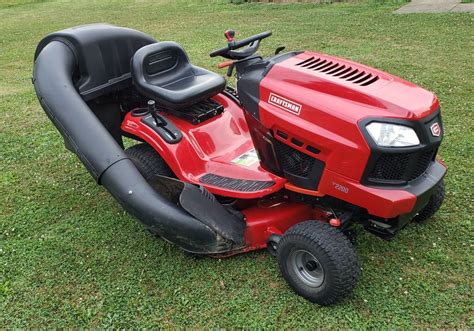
pixel 162 71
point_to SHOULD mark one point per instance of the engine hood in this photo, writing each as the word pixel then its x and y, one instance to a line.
pixel 317 100
pixel 325 83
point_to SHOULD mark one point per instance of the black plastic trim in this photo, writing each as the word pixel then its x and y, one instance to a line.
pixel 313 149
pixel 282 134
pixel 422 129
pixel 297 142
pixel 423 188
pixel 168 132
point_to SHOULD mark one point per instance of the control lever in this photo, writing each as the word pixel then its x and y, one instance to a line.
pixel 229 65
pixel 159 121
pixel 230 70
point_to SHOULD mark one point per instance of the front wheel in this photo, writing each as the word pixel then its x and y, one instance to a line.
pixel 318 262
pixel 433 205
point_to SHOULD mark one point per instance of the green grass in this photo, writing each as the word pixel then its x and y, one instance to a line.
pixel 70 256
pixel 14 3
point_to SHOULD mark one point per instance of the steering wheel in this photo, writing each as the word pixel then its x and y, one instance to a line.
pixel 230 52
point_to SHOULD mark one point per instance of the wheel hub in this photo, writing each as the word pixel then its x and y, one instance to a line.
pixel 311 265
pixel 307 267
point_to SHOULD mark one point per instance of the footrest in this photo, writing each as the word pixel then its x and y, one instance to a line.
pixel 235 184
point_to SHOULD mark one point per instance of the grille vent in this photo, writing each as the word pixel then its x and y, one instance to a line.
pixel 299 168
pixel 396 167
pixel 294 161
pixel 339 70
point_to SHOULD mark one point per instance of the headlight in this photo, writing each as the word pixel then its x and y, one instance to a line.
pixel 392 135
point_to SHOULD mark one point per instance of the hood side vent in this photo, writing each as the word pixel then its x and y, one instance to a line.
pixel 339 70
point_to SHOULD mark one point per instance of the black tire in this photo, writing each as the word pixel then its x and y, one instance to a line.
pixel 150 164
pixel 329 253
pixel 272 244
pixel 433 205
pixel 148 161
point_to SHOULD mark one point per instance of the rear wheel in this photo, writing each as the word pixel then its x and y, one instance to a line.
pixel 318 262
pixel 433 205
pixel 150 164
pixel 148 161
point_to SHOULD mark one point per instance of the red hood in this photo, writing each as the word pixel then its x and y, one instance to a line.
pixel 321 100
pixel 349 89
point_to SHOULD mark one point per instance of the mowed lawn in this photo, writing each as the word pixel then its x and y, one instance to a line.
pixel 71 257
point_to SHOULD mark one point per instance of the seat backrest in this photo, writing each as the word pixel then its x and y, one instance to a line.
pixel 160 64
pixel 162 72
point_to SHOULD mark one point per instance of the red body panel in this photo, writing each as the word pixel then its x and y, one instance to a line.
pixel 208 147
pixel 265 219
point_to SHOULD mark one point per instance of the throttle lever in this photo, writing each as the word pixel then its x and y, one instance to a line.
pixel 225 64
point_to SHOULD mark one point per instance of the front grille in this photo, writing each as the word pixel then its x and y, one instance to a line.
pixel 401 167
pixel 293 161
pixel 422 165
pixel 390 167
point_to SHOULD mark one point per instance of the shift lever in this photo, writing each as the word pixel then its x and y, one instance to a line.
pixel 159 121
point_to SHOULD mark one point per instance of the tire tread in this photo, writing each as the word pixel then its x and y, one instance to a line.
pixel 435 202
pixel 148 161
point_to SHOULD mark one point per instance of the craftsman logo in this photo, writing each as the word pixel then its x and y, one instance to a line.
pixel 285 104
pixel 435 129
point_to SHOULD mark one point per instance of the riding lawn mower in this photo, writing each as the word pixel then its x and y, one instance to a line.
pixel 305 151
